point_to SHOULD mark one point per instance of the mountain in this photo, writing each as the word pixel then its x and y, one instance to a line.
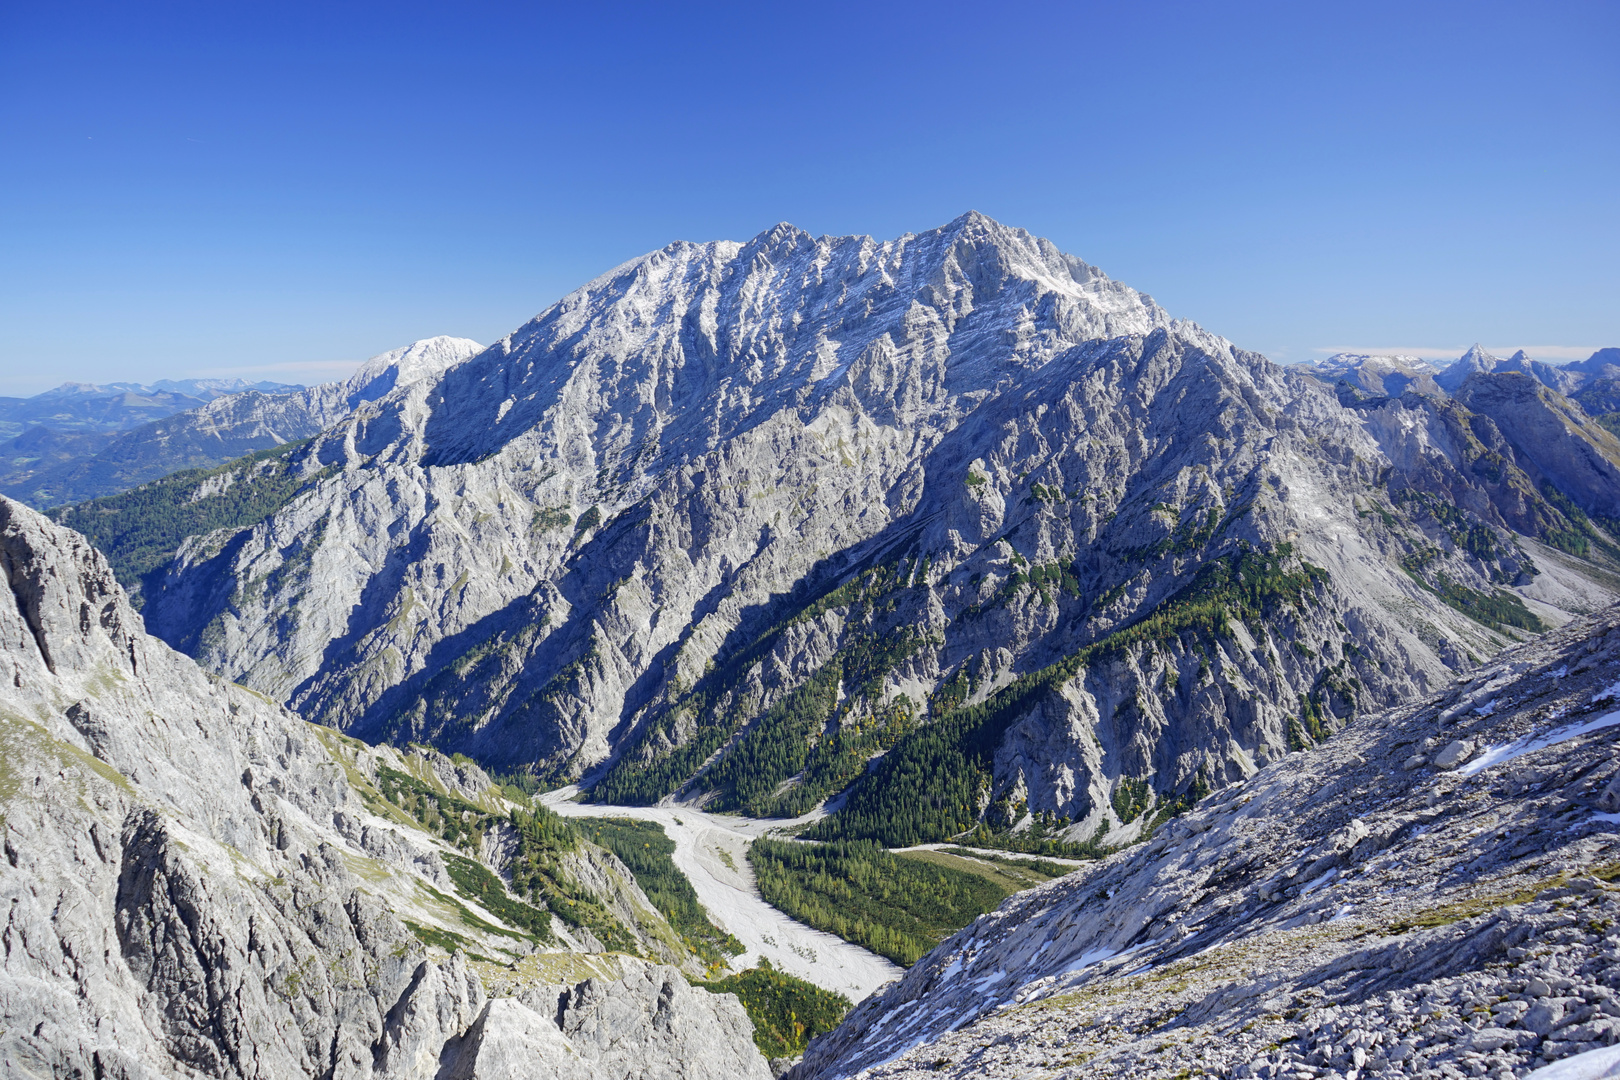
pixel 1553 439
pixel 954 522
pixel 198 883
pixel 208 389
pixel 1391 376
pixel 90 408
pixel 1602 364
pixel 211 433
pixel 1475 361
pixel 1568 379
pixel 1432 892
pixel 1378 376
pixel 1513 396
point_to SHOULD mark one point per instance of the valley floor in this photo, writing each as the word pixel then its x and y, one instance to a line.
pixel 711 850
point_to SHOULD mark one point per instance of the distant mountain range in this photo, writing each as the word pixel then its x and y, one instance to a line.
pixel 91 408
pixel 1593 383
pixel 165 431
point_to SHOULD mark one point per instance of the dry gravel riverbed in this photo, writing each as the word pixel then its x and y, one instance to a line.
pixel 711 850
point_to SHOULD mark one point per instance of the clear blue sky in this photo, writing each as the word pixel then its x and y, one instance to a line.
pixel 285 188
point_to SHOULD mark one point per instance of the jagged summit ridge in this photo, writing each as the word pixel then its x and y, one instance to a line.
pixel 785 316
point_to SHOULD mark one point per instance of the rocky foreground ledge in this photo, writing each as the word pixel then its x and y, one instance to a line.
pixel 1432 893
pixel 195 883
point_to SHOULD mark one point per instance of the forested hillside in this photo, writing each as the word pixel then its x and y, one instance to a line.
pixel 141 530
pixel 895 906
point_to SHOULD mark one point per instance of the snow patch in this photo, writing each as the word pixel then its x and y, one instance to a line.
pixel 1592 1065
pixel 1088 958
pixel 989 980
pixel 1497 755
pixel 1319 882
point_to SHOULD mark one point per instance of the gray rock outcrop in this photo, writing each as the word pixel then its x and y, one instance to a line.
pixel 646 1025
pixel 1335 914
pixel 196 885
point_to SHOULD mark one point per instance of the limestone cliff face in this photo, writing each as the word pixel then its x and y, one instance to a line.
pixel 198 883
pixel 1552 438
pixel 896 476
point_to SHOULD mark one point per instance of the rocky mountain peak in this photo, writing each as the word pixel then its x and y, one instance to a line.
pixel 957 475
pixel 418 360
pixel 69 613
pixel 1476 359
pixel 785 319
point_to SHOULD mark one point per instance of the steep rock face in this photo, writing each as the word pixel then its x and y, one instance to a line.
pixel 196 882
pixel 645 1025
pixel 176 888
pixel 232 425
pixel 894 476
pixel 671 372
pixel 1552 437
pixel 1432 889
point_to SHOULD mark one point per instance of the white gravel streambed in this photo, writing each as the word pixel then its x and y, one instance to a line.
pixel 711 849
